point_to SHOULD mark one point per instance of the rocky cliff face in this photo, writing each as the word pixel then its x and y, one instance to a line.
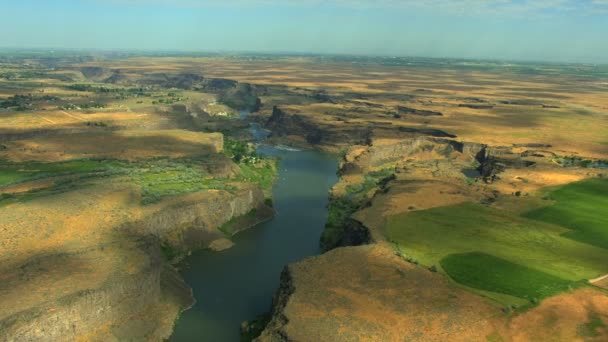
pixel 384 153
pixel 274 330
pixel 194 224
pixel 134 293
pixel 283 123
pixel 89 312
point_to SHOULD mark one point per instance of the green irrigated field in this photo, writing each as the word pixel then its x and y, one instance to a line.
pixel 581 206
pixel 487 272
pixel 519 244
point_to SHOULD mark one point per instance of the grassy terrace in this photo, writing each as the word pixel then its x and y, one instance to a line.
pixel 157 178
pixel 582 207
pixel 489 273
pixel 17 173
pixel 496 251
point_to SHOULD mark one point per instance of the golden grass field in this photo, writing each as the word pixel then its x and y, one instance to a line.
pixel 363 109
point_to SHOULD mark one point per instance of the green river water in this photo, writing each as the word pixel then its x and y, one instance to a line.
pixel 237 284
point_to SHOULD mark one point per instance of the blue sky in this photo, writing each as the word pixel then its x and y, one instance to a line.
pixel 554 30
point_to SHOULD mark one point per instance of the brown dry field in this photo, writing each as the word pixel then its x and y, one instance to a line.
pixel 369 294
pixel 577 127
pixel 90 256
pixel 59 135
pixel 563 318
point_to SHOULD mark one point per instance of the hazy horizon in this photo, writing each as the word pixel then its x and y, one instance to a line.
pixel 509 30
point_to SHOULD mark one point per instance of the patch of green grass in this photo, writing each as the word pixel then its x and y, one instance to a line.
pixel 13 173
pixel 263 173
pixel 486 272
pixel 494 337
pixel 582 207
pixel 169 177
pixel 57 187
pixel 590 329
pixel 432 235
pixel 157 178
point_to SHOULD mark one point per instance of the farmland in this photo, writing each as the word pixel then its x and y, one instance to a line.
pixel 580 207
pixel 440 236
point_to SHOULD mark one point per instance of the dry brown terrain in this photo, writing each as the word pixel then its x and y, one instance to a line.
pixel 561 110
pixel 369 294
pixel 425 123
pixel 80 248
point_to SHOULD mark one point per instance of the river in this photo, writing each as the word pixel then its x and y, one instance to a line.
pixel 237 284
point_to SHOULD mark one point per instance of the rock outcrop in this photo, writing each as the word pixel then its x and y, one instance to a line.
pixel 414 111
pixel 193 224
pixel 281 124
pixel 241 97
pixel 274 330
pixel 380 154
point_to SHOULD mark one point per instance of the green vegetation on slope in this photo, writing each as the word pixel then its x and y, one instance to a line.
pixel 581 206
pixel 434 234
pixel 340 209
pixel 486 272
pixel 590 329
pixel 253 168
pixel 263 173
pixel 157 178
pixel 13 173
pixel 169 177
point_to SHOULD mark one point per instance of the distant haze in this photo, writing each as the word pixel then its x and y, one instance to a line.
pixel 551 30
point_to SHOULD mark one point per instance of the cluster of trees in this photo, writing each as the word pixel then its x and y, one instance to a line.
pixel 240 152
pixel 92 105
pixel 123 93
pixel 10 75
pixel 24 102
pixel 169 101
